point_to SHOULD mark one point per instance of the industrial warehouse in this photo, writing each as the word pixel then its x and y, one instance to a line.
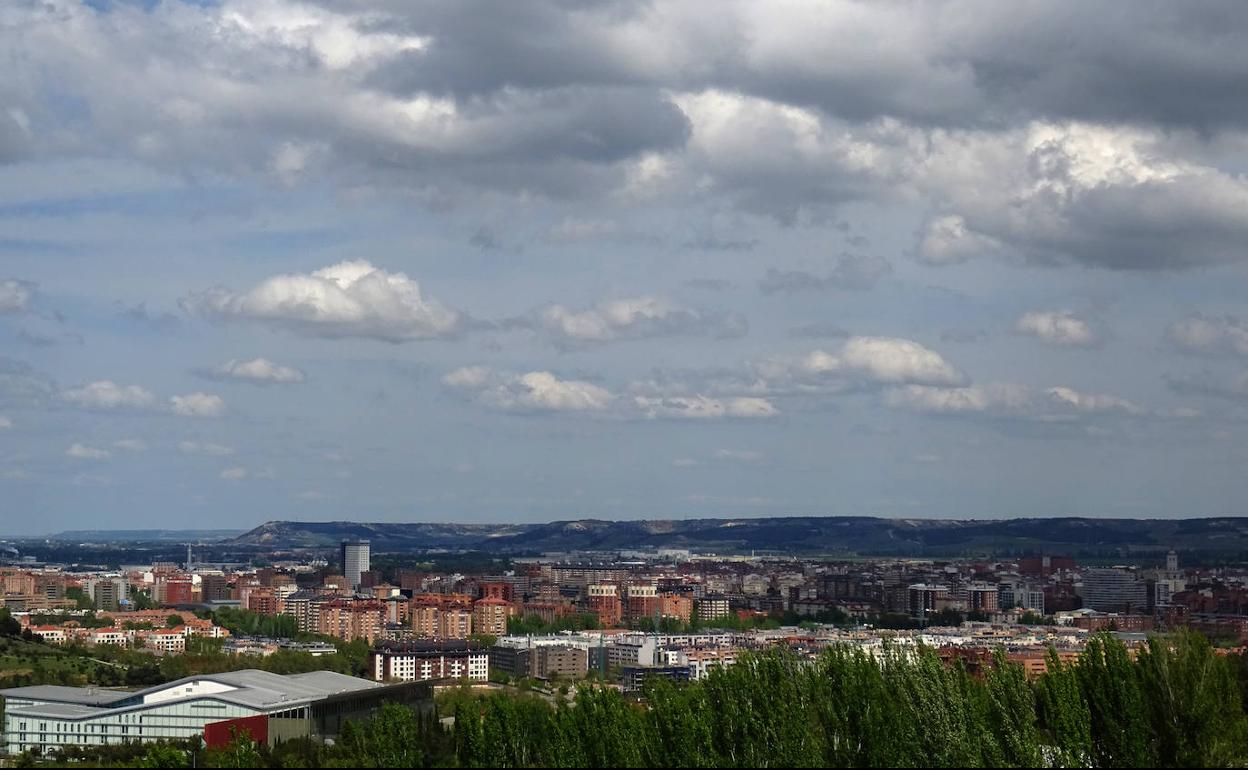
pixel 271 707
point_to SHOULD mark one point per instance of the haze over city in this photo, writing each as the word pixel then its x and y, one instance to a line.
pixel 475 262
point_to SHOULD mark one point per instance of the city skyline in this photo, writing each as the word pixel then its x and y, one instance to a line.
pixel 426 262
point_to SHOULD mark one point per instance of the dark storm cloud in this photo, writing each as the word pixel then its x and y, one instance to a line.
pixel 478 47
pixel 952 63
pixel 1172 64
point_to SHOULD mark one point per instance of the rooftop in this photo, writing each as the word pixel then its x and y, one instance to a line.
pixel 250 688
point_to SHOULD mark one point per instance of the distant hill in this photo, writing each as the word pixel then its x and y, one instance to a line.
pixel 143 535
pixel 862 535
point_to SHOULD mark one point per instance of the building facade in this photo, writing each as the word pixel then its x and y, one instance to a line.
pixel 354 558
pixel 45 717
pixel 424 661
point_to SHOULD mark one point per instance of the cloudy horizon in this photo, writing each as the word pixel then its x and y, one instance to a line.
pixel 480 262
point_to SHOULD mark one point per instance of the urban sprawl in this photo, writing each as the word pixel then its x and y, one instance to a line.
pixel 618 618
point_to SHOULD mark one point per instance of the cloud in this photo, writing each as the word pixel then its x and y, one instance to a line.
pixel 21 384
pixel 349 299
pixel 468 377
pixel 5 423
pixel 260 371
pixel 946 241
pixel 15 296
pixel 131 444
pixel 634 318
pixel 545 392
pixel 1091 402
pixel 851 272
pixel 1068 192
pixel 197 405
pixel 529 392
pixel 210 449
pixel 1210 385
pixel 1106 156
pixel 238 473
pixel 1204 335
pixel 1013 400
pixel 739 455
pixel 106 394
pixel 704 408
pixel 1060 327
pixel 879 360
pixel 1004 398
pixel 84 452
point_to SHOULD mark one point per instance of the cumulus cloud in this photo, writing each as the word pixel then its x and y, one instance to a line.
pixel 15 296
pixel 1204 335
pixel 5 423
pixel 545 392
pixel 260 371
pixel 850 272
pixel 529 392
pixel 1060 327
pixel 993 397
pixel 1002 399
pixel 234 474
pixel 198 405
pixel 946 240
pixel 84 452
pixel 349 299
pixel 468 377
pixel 1091 402
pixel 106 394
pixel 1093 157
pixel 874 360
pixel 1105 196
pixel 703 407
pixel 635 318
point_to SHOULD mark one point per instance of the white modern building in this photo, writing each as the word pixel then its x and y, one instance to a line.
pixel 354 560
pixel 45 717
pixel 1114 590
pixel 423 661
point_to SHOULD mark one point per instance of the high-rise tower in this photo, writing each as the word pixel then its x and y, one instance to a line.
pixel 354 560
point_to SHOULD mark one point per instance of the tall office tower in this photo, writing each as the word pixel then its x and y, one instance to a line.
pixel 1114 590
pixel 354 560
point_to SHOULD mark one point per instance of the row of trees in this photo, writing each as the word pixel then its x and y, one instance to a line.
pixel 242 622
pixel 1176 705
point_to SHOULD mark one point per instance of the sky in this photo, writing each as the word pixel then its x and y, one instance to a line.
pixel 396 260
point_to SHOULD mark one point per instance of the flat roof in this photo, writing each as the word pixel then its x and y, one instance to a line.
pixel 84 696
pixel 251 688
